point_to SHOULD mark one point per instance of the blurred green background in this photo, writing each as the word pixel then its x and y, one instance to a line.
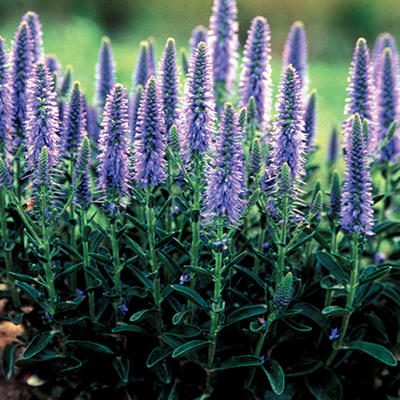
pixel 73 29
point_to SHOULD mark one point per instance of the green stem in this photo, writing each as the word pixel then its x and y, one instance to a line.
pixel 260 244
pixel 282 245
pixel 349 301
pixel 168 218
pixel 117 268
pixel 216 310
pixel 86 265
pixel 153 260
pixel 384 207
pixel 72 228
pixel 7 253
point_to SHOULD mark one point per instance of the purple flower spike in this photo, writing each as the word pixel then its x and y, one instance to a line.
pixel 141 74
pixel 225 179
pixel 67 82
pixel 105 74
pixel 5 100
pixel 149 145
pixel 74 123
pixel 255 79
pixel 388 103
pixel 223 43
pixel 92 125
pixel 169 85
pixel 53 65
pixel 134 109
pixel 199 34
pixel 83 194
pixel 288 144
pixel 198 116
pixel 310 122
pixel 32 19
pixel 42 123
pixel 384 40
pixel 295 52
pixel 113 146
pixel 361 91
pixel 333 147
pixel 356 202
pixel 151 57
pixel 21 66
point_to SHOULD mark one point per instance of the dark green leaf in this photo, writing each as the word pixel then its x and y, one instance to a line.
pixel 324 385
pixel 188 346
pixel 131 328
pixel 305 368
pixel 245 312
pixel 38 343
pixel 158 354
pixel 333 266
pixel 8 360
pixel 333 310
pixel 240 362
pixel 139 315
pixel 27 279
pixel 375 350
pixel 275 375
pixel 373 275
pixel 91 346
pixel 250 275
pixel 135 247
pixel 180 316
pixel 191 295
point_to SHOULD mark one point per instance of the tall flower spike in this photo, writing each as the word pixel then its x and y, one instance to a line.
pixel 53 65
pixel 5 99
pixel 134 108
pixel 113 149
pixel 356 201
pixel 169 85
pixel 151 57
pixel 361 90
pixel 141 74
pixel 223 43
pixel 288 145
pixel 105 74
pixel 21 66
pixel 198 116
pixel 388 103
pixel 310 122
pixel 149 145
pixel 333 147
pixel 5 176
pixel 199 34
pixel 255 78
pixel 384 40
pixel 185 64
pixel 225 188
pixel 83 194
pixel 295 52
pixel 42 123
pixel 67 82
pixel 32 19
pixel 334 198
pixel 74 123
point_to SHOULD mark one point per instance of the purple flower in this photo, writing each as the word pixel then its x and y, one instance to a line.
pixel 356 204
pixel 105 74
pixel 134 109
pixel 388 102
pixel 199 34
pixel 113 148
pixel 92 124
pixel 223 43
pixel 198 115
pixel 5 100
pixel 123 308
pixel 333 147
pixel 255 79
pixel 169 82
pixel 379 257
pixel 184 60
pixel 151 57
pixel 32 19
pixel 255 162
pixel 384 40
pixel 141 74
pixel 225 189
pixel 21 66
pixel 66 82
pixel 335 195
pixel 361 91
pixel 74 123
pixel 288 144
pixel 42 123
pixel 334 334
pixel 295 52
pixel 283 295
pixel 52 64
pixel 185 277
pixel 83 194
pixel 310 122
pixel 149 144
pixel 5 176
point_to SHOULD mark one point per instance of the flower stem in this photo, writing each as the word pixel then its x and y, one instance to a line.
pixel 350 299
pixel 282 245
pixel 117 267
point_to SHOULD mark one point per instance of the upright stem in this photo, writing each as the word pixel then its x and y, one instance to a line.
pixel 153 260
pixel 7 253
pixel 168 218
pixel 260 247
pixel 117 267
pixel 86 265
pixel 350 299
pixel 216 309
pixel 387 194
pixel 72 228
pixel 282 245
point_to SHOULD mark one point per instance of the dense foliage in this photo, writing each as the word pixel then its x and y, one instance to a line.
pixel 192 244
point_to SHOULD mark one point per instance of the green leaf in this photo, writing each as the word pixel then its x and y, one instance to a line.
pixel 121 367
pixel 375 350
pixel 305 368
pixel 189 346
pixel 324 385
pixel 158 354
pixel 333 266
pixel 333 310
pixel 275 375
pixel 191 295
pixel 135 247
pixel 391 226
pixel 240 362
pixel 198 270
pixel 180 316
pixel 245 312
pixel 129 328
pixel 38 343
pixel 139 315
pixel 34 293
pixel 297 326
pixel 8 360
pixel 100 257
pixel 70 249
pixel 142 278
pixel 26 278
pixel 375 274
pixel 91 346
pixel 250 275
